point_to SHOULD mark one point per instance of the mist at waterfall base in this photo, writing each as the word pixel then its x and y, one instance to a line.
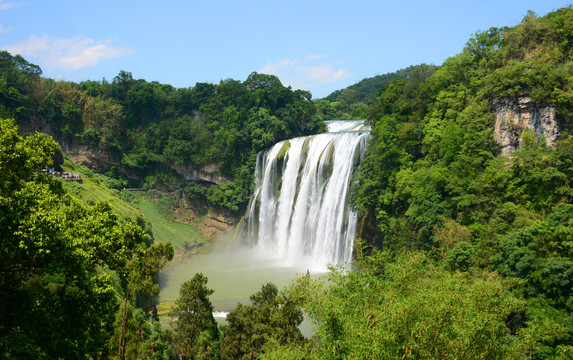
pixel 298 220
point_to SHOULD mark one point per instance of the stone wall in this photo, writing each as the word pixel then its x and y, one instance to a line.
pixel 515 116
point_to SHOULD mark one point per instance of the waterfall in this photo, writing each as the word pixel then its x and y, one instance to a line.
pixel 299 211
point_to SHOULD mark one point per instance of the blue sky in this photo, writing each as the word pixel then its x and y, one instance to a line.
pixel 320 46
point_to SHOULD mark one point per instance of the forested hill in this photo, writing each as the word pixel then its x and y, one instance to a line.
pixel 352 102
pixel 368 88
pixel 435 179
pixel 154 133
pixel 465 197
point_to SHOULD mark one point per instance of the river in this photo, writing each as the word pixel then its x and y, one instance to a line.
pixel 233 274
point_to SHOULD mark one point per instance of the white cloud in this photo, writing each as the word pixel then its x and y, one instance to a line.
pixel 306 74
pixel 70 54
pixel 5 5
pixel 4 29
pixel 317 56
pixel 279 67
pixel 322 74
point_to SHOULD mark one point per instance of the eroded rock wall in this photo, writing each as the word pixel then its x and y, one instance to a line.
pixel 515 116
pixel 209 173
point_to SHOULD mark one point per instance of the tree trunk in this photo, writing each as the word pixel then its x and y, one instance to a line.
pixel 121 350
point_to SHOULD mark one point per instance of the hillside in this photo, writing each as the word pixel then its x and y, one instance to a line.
pixel 440 176
pixel 465 199
pixel 368 88
pixel 152 135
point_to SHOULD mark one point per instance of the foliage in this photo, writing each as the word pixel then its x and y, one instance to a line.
pixel 145 340
pixel 269 317
pixel 433 179
pixel 197 335
pixel 63 263
pixel 157 208
pixel 405 307
pixel 352 102
pixel 152 128
pixel 368 88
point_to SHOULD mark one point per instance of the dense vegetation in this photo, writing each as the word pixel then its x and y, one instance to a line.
pixel 151 128
pixel 64 266
pixel 433 180
pixel 352 102
pixel 467 254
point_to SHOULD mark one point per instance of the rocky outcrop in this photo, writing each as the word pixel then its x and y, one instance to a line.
pixel 78 152
pixel 515 116
pixel 209 221
pixel 209 173
pixel 90 156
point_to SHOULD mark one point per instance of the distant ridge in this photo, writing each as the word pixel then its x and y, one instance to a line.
pixel 368 87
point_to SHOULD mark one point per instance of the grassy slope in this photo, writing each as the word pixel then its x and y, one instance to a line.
pixel 165 229
pixel 134 207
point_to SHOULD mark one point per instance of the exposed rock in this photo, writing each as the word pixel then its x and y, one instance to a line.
pixel 210 222
pixel 79 153
pixel 90 156
pixel 515 116
pixel 209 173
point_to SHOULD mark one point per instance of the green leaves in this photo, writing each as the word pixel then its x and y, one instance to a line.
pixel 405 307
pixel 59 259
pixel 270 317
pixel 197 336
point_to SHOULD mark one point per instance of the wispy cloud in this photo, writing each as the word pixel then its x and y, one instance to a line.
pixel 4 29
pixel 307 73
pixel 275 68
pixel 69 54
pixel 5 5
pixel 317 56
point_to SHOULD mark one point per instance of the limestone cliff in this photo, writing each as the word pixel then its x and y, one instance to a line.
pixel 515 116
pixel 209 173
pixel 90 156
pixel 209 220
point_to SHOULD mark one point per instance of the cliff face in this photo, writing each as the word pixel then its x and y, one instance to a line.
pixel 513 117
pixel 207 174
pixel 210 221
pixel 89 156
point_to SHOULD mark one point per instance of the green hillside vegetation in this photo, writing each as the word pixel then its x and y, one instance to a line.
pixel 153 216
pixel 433 179
pixel 158 211
pixel 149 128
pixel 92 190
pixel 465 254
pixel 351 102
pixel 66 267
pixel 368 88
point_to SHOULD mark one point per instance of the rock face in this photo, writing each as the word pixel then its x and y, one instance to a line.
pixel 90 156
pixel 210 222
pixel 513 117
pixel 207 174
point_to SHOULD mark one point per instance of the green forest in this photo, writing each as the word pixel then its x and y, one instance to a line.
pixel 464 252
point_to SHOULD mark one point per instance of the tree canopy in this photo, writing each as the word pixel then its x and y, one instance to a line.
pixel 63 264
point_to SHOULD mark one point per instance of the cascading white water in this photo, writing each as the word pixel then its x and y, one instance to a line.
pixel 300 211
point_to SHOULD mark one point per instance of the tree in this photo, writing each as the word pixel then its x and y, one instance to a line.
pixel 60 261
pixel 56 257
pixel 269 316
pixel 401 306
pixel 139 266
pixel 197 335
pixel 348 97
